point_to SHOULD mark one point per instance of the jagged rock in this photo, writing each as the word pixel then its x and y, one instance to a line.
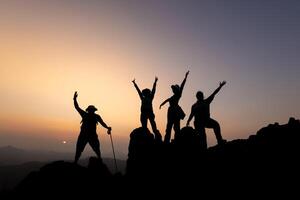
pixel 269 158
pixel 66 178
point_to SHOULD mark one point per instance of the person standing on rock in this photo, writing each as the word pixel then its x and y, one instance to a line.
pixel 88 132
pixel 201 111
pixel 175 112
pixel 147 96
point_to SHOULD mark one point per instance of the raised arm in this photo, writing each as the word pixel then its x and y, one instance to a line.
pixel 81 112
pixel 183 82
pixel 212 96
pixel 100 120
pixel 137 88
pixel 190 117
pixel 154 87
pixel 163 103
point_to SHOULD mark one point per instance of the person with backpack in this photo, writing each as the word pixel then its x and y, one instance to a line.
pixel 175 112
pixel 88 132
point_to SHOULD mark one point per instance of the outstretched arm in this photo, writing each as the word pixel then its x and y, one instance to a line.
pixel 154 87
pixel 163 103
pixel 211 97
pixel 81 112
pixel 137 88
pixel 100 120
pixel 183 82
pixel 190 117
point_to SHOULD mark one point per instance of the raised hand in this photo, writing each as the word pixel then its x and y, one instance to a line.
pixel 156 79
pixel 75 95
pixel 133 80
pixel 186 74
pixel 222 83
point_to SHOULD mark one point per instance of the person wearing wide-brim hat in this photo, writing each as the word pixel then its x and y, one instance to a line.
pixel 88 132
pixel 91 108
pixel 175 112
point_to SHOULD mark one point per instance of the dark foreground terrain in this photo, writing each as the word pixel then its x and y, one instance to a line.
pixel 266 162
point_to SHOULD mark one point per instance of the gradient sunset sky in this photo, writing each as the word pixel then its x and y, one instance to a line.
pixel 49 49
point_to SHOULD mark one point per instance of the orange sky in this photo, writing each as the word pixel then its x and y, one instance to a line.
pixel 49 50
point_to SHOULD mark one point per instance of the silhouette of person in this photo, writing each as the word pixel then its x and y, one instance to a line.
pixel 175 112
pixel 201 111
pixel 147 96
pixel 88 132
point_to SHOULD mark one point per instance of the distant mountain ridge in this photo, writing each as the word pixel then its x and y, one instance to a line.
pixel 10 155
pixel 16 163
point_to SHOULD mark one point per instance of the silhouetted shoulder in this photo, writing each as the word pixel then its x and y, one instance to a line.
pixel 209 99
pixel 97 116
pixel 195 105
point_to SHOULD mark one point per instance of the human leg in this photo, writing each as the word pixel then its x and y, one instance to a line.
pixel 169 125
pixel 144 119
pixel 95 144
pixel 168 131
pixel 81 142
pixel 211 123
pixel 200 129
pixel 154 128
pixel 176 127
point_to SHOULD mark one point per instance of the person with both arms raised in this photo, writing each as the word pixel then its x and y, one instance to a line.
pixel 147 96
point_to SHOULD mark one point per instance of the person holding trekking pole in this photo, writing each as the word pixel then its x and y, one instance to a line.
pixel 88 132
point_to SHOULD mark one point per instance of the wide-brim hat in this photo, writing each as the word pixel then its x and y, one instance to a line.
pixel 91 108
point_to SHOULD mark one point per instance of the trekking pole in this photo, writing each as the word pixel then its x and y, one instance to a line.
pixel 113 149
